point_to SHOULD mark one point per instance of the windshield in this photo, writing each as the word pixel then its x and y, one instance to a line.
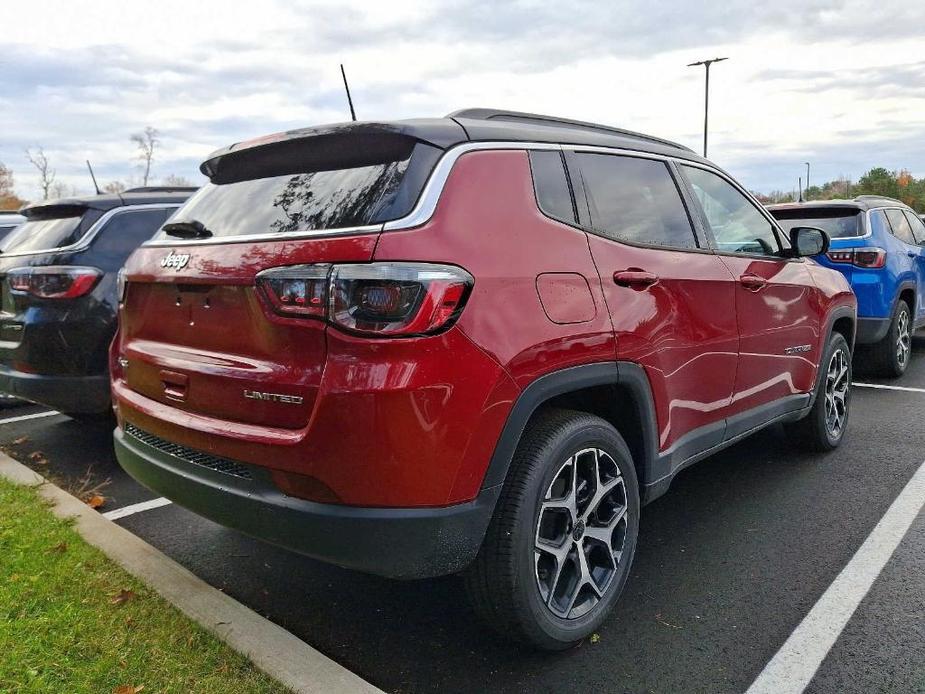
pixel 314 200
pixel 836 222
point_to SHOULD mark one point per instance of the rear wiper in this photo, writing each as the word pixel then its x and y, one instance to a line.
pixel 190 229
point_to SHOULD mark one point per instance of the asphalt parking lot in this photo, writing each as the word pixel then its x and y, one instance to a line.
pixel 729 563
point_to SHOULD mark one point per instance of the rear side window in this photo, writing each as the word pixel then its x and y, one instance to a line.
pixel 313 199
pixel 636 200
pixel 126 231
pixel 837 222
pixel 900 226
pixel 918 228
pixel 48 229
pixel 553 194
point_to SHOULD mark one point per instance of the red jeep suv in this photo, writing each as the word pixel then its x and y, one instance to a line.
pixel 470 344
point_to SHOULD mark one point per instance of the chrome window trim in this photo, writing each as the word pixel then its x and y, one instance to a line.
pixel 83 243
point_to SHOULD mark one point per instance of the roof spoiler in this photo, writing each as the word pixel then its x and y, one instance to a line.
pixel 327 147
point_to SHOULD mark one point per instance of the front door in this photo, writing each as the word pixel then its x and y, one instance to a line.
pixel 779 326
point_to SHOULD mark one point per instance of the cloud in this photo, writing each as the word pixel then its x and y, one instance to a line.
pixel 822 79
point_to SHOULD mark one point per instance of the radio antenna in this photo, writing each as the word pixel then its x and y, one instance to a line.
pixel 98 191
pixel 343 74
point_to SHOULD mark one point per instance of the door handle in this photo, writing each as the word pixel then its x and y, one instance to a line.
pixel 752 282
pixel 635 278
pixel 911 254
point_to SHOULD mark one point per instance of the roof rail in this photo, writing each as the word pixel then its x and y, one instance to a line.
pixel 556 122
pixel 162 189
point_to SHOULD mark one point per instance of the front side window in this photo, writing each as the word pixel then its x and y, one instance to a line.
pixel 737 225
pixel 900 226
pixel 635 200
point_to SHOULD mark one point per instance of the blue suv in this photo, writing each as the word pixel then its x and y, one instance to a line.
pixel 876 243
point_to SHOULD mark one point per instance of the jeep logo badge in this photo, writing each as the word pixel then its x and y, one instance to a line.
pixel 177 261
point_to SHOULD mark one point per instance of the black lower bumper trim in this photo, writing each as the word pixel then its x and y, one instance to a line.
pixel 392 542
pixel 871 330
pixel 70 394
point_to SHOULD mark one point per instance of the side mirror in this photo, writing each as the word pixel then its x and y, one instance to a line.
pixel 808 241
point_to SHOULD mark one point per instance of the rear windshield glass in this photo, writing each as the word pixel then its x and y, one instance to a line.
pixel 314 200
pixel 837 222
pixel 48 230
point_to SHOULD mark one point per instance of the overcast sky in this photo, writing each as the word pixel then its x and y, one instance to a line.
pixel 840 84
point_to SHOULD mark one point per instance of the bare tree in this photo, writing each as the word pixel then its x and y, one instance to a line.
pixel 46 173
pixel 146 142
pixel 60 189
pixel 175 181
pixel 114 187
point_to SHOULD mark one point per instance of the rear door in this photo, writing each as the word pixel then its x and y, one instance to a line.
pixel 776 302
pixel 670 298
pixel 908 252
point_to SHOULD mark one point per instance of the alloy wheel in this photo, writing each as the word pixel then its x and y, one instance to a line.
pixel 836 394
pixel 903 340
pixel 581 533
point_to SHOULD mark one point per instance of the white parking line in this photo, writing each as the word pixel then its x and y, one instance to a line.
pixel 24 417
pixel 883 387
pixel 136 508
pixel 795 664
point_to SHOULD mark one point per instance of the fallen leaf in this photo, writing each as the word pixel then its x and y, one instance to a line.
pixel 96 501
pixel 38 458
pixel 123 596
pixel 20 441
pixel 128 689
pixel 595 638
pixel 59 548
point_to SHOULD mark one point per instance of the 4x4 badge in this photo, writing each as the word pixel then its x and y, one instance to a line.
pixel 177 261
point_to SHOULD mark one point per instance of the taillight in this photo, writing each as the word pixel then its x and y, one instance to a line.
pixel 861 257
pixel 376 299
pixel 120 285
pixel 297 290
pixel 54 282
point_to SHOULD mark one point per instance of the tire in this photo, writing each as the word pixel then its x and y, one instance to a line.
pixel 824 427
pixel 890 357
pixel 509 582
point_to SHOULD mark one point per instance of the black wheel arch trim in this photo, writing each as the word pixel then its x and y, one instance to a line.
pixel 626 375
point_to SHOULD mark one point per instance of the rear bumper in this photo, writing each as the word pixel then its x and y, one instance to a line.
pixel 71 394
pixel 392 542
pixel 871 330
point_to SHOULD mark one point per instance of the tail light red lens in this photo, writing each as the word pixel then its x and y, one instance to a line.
pixel 861 257
pixel 376 299
pixel 54 282
pixel 298 290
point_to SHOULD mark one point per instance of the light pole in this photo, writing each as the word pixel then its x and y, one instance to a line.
pixel 807 179
pixel 706 98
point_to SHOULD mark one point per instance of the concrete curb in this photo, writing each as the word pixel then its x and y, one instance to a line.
pixel 271 648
